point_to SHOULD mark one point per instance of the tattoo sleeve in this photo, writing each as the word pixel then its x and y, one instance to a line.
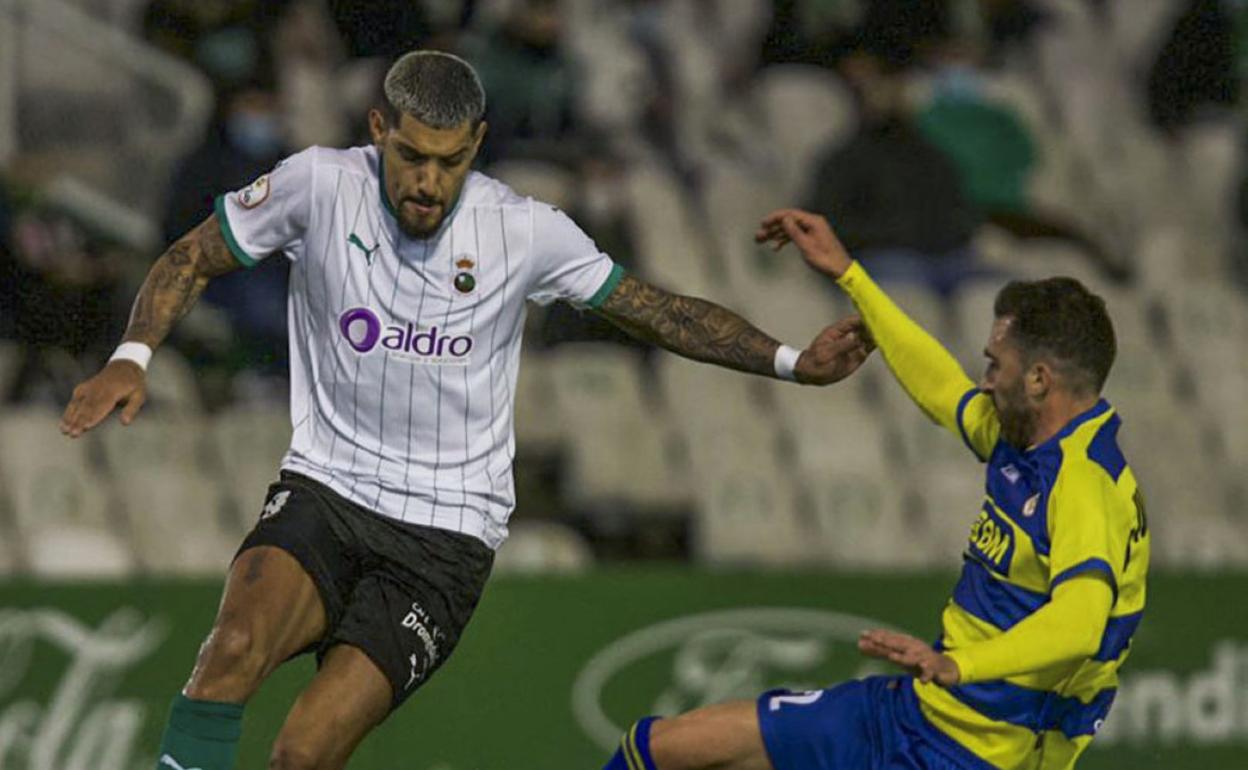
pixel 176 280
pixel 691 327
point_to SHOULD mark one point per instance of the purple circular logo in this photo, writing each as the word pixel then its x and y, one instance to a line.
pixel 357 320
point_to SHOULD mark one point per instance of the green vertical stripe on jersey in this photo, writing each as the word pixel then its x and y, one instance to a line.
pixel 246 259
pixel 608 286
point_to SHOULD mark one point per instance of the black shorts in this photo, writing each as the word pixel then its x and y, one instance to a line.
pixel 402 593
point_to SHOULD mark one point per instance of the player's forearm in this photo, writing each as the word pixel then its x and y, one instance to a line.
pixel 175 282
pixel 928 373
pixel 1068 628
pixel 690 327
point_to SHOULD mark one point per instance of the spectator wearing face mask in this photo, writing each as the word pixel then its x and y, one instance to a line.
pixel 247 140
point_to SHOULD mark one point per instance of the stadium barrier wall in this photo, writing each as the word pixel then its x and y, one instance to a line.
pixel 553 669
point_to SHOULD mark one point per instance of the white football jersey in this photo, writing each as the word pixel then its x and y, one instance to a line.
pixel 404 352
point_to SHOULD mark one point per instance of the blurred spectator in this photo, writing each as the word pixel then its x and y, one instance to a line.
pixel 59 296
pixel 246 141
pixel 811 31
pixel 896 199
pixel 993 151
pixel 226 39
pixel 530 84
pixel 388 28
pixel 1195 69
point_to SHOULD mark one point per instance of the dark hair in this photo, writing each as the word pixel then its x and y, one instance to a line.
pixel 438 89
pixel 1060 319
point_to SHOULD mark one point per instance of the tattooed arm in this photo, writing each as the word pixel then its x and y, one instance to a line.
pixel 703 331
pixel 173 284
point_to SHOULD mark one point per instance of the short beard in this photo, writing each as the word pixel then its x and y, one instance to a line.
pixel 1017 429
pixel 1018 425
pixel 420 234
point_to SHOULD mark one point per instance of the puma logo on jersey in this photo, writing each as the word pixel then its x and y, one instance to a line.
pixel 355 241
pixel 171 762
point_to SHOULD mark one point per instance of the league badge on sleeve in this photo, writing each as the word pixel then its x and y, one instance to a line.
pixel 465 281
pixel 255 193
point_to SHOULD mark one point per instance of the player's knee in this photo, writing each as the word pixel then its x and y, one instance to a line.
pixel 293 755
pixel 232 662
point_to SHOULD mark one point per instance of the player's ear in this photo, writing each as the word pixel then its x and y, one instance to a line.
pixel 479 136
pixel 1038 380
pixel 378 127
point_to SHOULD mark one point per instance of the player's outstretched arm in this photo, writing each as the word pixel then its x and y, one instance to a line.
pixel 176 280
pixel 930 375
pixel 1069 628
pixel 704 331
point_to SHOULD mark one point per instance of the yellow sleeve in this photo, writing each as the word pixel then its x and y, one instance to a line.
pixel 1088 527
pixel 928 373
pixel 1068 628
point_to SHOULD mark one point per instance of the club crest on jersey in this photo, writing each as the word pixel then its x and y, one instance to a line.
pixel 465 282
pixel 254 194
pixel 364 332
pixel 1029 507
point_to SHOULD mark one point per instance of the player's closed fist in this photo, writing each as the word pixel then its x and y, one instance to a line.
pixel 120 383
pixel 835 353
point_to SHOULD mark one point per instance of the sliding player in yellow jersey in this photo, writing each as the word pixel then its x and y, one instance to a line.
pixel 1052 586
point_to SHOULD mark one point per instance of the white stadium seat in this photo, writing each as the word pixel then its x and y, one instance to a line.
pixel 250 443
pixel 746 500
pixel 618 447
pixel 545 182
pixel 543 547
pixel 172 384
pixel 178 511
pixel 667 232
pixel 539 422
pixel 808 110
pixel 61 504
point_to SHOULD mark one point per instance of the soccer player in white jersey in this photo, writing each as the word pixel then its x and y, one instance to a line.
pixel 409 278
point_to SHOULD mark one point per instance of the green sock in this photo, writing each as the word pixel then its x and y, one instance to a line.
pixel 200 735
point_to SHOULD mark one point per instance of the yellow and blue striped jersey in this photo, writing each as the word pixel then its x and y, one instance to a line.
pixel 1066 508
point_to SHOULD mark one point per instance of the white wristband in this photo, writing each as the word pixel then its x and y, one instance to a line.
pixel 786 362
pixel 136 352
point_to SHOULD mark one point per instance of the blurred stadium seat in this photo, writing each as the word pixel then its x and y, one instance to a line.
pixel 146 107
pixel 619 447
pixel 539 422
pixel 249 443
pixel 745 495
pixel 808 111
pixel 1177 467
pixel 775 290
pixel 1208 324
pixel 62 504
pixel 545 182
pixel 172 385
pixel 178 512
pixel 671 244
pixel 543 547
pixel 10 359
pixel 973 317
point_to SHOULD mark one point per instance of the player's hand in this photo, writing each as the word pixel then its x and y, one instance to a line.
pixel 812 235
pixel 835 354
pixel 120 383
pixel 912 654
